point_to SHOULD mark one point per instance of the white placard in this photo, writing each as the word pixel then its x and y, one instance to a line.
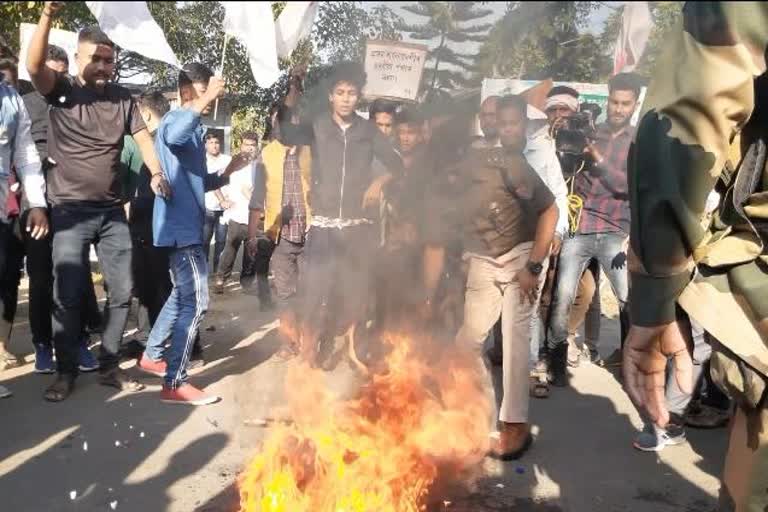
pixel 393 69
pixel 66 40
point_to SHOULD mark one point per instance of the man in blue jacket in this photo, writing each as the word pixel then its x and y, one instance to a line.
pixel 177 224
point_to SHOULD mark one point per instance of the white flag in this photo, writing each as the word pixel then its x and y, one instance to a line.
pixel 130 25
pixel 293 25
pixel 633 36
pixel 253 25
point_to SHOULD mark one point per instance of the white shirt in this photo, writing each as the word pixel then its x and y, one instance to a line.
pixel 239 192
pixel 216 164
pixel 541 155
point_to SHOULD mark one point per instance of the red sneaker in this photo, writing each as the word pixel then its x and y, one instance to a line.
pixel 152 367
pixel 186 394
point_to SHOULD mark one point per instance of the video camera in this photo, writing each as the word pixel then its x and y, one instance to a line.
pixel 572 136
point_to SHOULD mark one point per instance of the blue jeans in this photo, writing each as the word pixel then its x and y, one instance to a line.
pixel 576 252
pixel 182 313
pixel 74 230
pixel 213 227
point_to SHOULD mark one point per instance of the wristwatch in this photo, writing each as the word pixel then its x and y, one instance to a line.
pixel 534 267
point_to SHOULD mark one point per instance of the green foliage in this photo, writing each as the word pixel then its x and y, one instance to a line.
pixel 539 40
pixel 446 23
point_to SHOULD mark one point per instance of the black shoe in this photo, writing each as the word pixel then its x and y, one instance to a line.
pixel 558 366
pixel 218 287
pixel 61 388
pixel 119 379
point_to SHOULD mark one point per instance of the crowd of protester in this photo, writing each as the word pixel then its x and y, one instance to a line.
pixel 403 220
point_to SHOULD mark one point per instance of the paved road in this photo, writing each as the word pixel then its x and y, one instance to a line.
pixel 102 451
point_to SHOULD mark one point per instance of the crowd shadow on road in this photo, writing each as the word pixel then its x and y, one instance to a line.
pixel 104 450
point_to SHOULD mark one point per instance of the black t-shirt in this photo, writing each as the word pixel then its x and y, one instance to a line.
pixel 85 139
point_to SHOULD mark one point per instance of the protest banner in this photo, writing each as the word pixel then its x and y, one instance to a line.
pixel 393 69
pixel 64 39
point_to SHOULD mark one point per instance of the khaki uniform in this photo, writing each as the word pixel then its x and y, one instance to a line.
pixel 702 98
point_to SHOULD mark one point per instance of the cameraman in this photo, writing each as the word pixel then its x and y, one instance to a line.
pixel 602 227
pixel 563 103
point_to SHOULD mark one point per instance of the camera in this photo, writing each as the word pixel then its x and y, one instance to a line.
pixel 573 135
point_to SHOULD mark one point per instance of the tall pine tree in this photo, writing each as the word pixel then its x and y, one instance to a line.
pixel 446 24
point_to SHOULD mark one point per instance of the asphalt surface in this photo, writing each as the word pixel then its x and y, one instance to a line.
pixel 102 450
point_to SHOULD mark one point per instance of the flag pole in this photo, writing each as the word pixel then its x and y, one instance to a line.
pixel 221 74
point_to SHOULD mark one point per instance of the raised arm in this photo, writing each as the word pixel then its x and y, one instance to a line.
pixel 43 77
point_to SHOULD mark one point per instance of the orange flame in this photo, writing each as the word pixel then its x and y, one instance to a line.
pixel 419 421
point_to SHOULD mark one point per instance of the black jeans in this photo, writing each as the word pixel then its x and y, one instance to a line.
pixel 151 277
pixel 74 230
pixel 10 276
pixel 213 227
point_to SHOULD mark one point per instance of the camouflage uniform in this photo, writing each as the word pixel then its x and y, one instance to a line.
pixel 704 96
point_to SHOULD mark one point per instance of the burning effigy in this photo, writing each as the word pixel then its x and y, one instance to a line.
pixel 421 421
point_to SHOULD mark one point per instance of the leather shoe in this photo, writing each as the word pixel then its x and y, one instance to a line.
pixel 513 441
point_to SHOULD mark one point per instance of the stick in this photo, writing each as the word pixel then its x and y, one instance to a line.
pixel 221 74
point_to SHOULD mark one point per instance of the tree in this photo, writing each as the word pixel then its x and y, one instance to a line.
pixel 539 40
pixel 342 28
pixel 195 33
pixel 446 23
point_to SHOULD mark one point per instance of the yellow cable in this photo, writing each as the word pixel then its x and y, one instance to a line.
pixel 575 204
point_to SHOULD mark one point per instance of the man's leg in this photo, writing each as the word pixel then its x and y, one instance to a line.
pixel 285 267
pixel 315 287
pixel 220 229
pixel 161 277
pixel 516 316
pixel 209 226
pixel 482 307
pixel 574 257
pixel 610 246
pixel 40 273
pixel 115 250
pixel 73 233
pixel 227 262
pixel 261 265
pixel 162 328
pixel 190 278
pixel 678 400
pixel 594 312
pixel 744 487
pixel 9 294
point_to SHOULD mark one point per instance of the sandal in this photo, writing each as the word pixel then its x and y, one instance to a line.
pixel 60 389
pixel 9 360
pixel 539 387
pixel 119 379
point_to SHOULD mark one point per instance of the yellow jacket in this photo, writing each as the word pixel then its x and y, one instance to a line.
pixel 273 157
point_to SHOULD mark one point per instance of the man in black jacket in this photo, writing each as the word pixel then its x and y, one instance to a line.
pixel 344 197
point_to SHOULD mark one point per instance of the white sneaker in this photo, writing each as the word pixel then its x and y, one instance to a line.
pixel 5 392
